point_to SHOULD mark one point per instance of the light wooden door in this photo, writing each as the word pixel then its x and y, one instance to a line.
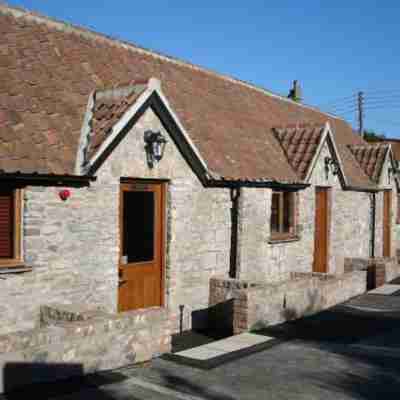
pixel 321 235
pixel 140 269
pixel 387 223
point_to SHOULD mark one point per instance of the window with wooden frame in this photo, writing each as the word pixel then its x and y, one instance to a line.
pixel 283 215
pixel 10 227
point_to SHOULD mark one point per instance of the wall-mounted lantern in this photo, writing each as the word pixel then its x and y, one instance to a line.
pixel 331 165
pixel 393 172
pixel 154 145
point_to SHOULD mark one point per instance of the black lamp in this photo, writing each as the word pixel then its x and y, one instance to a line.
pixel 154 145
pixel 331 164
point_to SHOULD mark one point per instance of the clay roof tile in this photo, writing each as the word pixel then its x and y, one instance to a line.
pixel 56 67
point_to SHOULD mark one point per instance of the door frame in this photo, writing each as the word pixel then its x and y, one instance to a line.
pixel 163 183
pixel 328 191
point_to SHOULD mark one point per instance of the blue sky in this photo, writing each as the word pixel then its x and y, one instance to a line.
pixel 333 48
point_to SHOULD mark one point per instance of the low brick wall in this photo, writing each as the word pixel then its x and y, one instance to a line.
pixel 380 270
pixel 256 305
pixel 99 341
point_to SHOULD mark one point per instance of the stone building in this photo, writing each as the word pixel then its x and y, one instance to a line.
pixel 134 181
pixel 395 144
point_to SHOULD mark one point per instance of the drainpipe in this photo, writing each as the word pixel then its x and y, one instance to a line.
pixel 233 266
pixel 372 225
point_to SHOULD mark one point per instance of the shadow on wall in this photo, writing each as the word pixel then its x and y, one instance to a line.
pixel 315 303
pixel 219 319
pixel 21 380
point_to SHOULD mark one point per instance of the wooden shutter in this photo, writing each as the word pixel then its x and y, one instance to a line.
pixel 275 212
pixel 6 223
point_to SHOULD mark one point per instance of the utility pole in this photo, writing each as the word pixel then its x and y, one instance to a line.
pixel 361 113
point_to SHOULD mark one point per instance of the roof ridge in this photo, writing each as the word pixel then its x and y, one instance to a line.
pixel 300 125
pixel 18 12
pixel 368 145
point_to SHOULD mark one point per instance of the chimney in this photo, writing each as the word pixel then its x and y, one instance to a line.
pixel 295 93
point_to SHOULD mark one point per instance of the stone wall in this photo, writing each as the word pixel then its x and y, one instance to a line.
pixel 385 183
pixel 380 270
pixel 256 305
pixel 73 245
pixel 60 348
pixel 262 260
pixel 198 242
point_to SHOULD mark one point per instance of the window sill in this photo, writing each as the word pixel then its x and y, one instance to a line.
pixel 284 239
pixel 14 268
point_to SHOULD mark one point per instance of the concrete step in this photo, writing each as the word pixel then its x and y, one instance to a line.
pixel 220 351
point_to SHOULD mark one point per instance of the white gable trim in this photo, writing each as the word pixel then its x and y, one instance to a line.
pixel 153 87
pixel 326 134
pixel 84 136
pixel 388 159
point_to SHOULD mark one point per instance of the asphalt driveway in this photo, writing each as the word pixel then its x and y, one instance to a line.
pixel 351 351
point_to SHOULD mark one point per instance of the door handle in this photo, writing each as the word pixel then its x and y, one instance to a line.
pixel 120 280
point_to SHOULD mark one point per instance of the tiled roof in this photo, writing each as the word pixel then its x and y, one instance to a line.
pixel 395 148
pixel 108 108
pixel 300 143
pixel 371 158
pixel 48 70
pixel 395 144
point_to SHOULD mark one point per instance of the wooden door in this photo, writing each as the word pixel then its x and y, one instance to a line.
pixel 321 233
pixel 142 245
pixel 387 223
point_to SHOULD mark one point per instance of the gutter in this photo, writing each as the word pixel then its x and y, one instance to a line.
pixel 236 184
pixel 235 210
pixel 372 225
pixel 37 179
pixel 361 189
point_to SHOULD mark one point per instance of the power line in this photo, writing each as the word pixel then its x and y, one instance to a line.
pixel 392 101
pixel 355 108
pixel 347 109
pixel 381 91
pixel 395 123
pixel 385 97
pixel 344 102
pixel 360 103
pixel 339 101
pixel 345 115
pixel 382 106
pixel 343 106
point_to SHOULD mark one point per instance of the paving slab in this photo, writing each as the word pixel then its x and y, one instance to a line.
pixel 387 289
pixel 223 346
pixel 201 353
pixel 375 303
pixel 221 351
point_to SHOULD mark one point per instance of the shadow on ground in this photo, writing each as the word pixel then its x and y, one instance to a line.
pixel 371 339
pixel 187 386
pixel 50 382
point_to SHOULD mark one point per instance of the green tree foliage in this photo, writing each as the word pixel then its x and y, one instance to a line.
pixel 372 136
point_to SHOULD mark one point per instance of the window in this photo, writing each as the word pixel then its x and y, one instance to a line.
pixel 10 211
pixel 283 215
pixel 138 226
